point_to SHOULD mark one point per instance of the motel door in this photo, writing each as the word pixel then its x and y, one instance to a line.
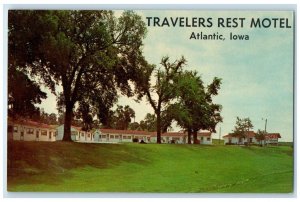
pixel 37 135
pixel 50 135
pixel 22 135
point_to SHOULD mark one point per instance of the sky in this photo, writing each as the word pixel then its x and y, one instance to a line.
pixel 257 74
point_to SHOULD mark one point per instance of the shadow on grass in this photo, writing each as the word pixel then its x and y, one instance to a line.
pixel 50 162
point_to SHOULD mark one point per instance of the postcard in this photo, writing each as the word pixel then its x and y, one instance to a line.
pixel 151 101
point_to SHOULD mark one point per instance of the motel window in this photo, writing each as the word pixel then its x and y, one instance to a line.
pixel 116 136
pixel 44 133
pixel 15 129
pixel 82 134
pixel 103 136
pixel 88 135
pixel 29 131
pixel 112 137
pixel 208 139
pixel 55 134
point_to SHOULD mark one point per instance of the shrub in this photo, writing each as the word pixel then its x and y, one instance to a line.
pixel 135 140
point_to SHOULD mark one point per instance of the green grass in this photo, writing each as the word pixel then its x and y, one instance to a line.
pixel 217 142
pixel 75 167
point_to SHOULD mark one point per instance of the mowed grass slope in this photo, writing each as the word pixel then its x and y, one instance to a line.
pixel 75 167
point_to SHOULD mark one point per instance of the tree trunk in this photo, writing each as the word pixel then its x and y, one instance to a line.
pixel 158 127
pixel 195 137
pixel 67 124
pixel 248 138
pixel 189 136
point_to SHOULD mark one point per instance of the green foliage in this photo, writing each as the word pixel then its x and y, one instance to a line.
pixel 123 117
pixel 39 166
pixel 149 123
pixel 46 118
pixel 134 126
pixel 194 109
pixel 84 112
pixel 161 93
pixel 120 118
pixel 260 135
pixel 91 54
pixel 242 126
pixel 23 94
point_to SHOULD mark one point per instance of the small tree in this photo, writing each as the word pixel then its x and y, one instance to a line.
pixel 242 128
pixel 260 136
pixel 148 123
pixel 124 115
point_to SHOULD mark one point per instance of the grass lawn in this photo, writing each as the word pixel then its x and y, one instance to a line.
pixel 217 142
pixel 75 167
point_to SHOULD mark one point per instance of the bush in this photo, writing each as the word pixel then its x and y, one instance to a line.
pixel 135 140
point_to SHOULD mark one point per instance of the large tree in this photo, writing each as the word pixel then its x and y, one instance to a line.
pixel 161 92
pixel 194 109
pixel 89 53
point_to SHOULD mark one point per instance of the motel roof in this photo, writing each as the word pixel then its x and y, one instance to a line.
pixel 77 128
pixel 250 134
pixel 130 132
pixel 27 122
pixel 153 134
pixel 273 136
pixel 180 134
